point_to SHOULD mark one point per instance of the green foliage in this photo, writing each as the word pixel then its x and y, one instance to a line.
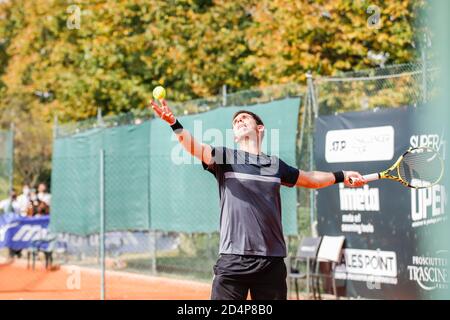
pixel 124 48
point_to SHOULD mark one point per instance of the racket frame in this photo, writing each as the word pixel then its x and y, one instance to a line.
pixel 386 174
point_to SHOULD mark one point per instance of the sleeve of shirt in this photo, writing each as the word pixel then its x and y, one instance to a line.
pixel 218 159
pixel 288 174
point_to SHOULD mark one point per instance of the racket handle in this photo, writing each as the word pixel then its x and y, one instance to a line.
pixel 371 177
pixel 368 177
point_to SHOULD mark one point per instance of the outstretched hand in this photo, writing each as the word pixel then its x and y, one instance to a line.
pixel 354 179
pixel 163 111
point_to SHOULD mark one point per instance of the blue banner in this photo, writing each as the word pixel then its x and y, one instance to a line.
pixel 18 232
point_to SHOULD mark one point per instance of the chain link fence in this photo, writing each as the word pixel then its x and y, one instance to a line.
pixel 168 244
pixel 412 84
pixel 184 252
pixel 389 87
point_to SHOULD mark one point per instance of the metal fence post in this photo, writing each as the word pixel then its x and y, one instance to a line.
pixel 152 233
pixel 287 261
pixel 424 75
pixel 152 240
pixel 310 109
pixel 312 93
pixel 224 95
pixel 99 117
pixel 55 127
pixel 11 172
pixel 102 223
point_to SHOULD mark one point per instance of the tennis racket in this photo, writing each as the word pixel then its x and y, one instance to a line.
pixel 417 168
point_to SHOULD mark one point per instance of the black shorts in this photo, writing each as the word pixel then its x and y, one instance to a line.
pixel 235 276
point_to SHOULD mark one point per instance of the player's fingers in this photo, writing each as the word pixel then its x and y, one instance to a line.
pixel 154 105
pixel 164 105
pixel 359 182
pixel 361 179
pixel 169 117
pixel 355 180
pixel 156 108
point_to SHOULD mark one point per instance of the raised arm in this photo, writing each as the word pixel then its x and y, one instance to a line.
pixel 320 179
pixel 198 150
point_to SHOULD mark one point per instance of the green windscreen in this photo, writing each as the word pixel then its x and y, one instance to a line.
pixel 150 182
pixel 76 180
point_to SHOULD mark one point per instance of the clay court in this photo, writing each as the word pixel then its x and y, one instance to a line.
pixel 75 283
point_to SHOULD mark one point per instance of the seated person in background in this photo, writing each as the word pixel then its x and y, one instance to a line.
pixel 36 207
pixel 10 205
pixel 43 195
pixel 42 209
pixel 24 199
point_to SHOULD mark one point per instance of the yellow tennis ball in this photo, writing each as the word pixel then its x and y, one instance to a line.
pixel 159 93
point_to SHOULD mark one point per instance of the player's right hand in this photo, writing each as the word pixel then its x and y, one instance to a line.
pixel 354 179
pixel 163 111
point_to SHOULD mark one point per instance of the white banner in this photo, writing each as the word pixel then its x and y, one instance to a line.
pixel 357 145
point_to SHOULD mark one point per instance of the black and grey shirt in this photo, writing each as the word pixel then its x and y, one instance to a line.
pixel 250 203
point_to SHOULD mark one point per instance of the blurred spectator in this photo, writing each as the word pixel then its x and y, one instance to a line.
pixel 36 207
pixel 43 195
pixel 10 205
pixel 24 199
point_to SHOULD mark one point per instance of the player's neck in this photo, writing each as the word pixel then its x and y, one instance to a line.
pixel 250 146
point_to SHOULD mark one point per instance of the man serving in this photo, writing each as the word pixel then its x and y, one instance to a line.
pixel 252 246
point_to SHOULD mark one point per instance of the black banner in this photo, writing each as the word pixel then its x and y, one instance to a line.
pixel 389 250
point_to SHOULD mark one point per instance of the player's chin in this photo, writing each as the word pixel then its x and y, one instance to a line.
pixel 246 133
pixel 240 136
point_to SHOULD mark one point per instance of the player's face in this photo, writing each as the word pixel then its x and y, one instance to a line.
pixel 244 126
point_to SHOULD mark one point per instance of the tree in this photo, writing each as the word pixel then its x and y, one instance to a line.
pixel 123 49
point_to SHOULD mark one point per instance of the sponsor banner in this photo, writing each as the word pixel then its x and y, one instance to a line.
pixel 430 272
pixel 18 232
pixel 384 223
pixel 118 242
pixel 371 262
pixel 374 266
pixel 356 145
pixel 428 206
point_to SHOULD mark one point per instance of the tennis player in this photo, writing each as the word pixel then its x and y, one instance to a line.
pixel 252 246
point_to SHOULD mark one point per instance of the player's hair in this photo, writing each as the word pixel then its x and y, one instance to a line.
pixel 254 116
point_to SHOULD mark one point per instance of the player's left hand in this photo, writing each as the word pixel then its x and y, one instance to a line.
pixel 164 111
pixel 357 179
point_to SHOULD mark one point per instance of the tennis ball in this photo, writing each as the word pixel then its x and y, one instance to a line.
pixel 159 93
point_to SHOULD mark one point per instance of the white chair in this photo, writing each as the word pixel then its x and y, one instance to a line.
pixel 330 251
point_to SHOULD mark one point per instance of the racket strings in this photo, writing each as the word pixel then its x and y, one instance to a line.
pixel 420 168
